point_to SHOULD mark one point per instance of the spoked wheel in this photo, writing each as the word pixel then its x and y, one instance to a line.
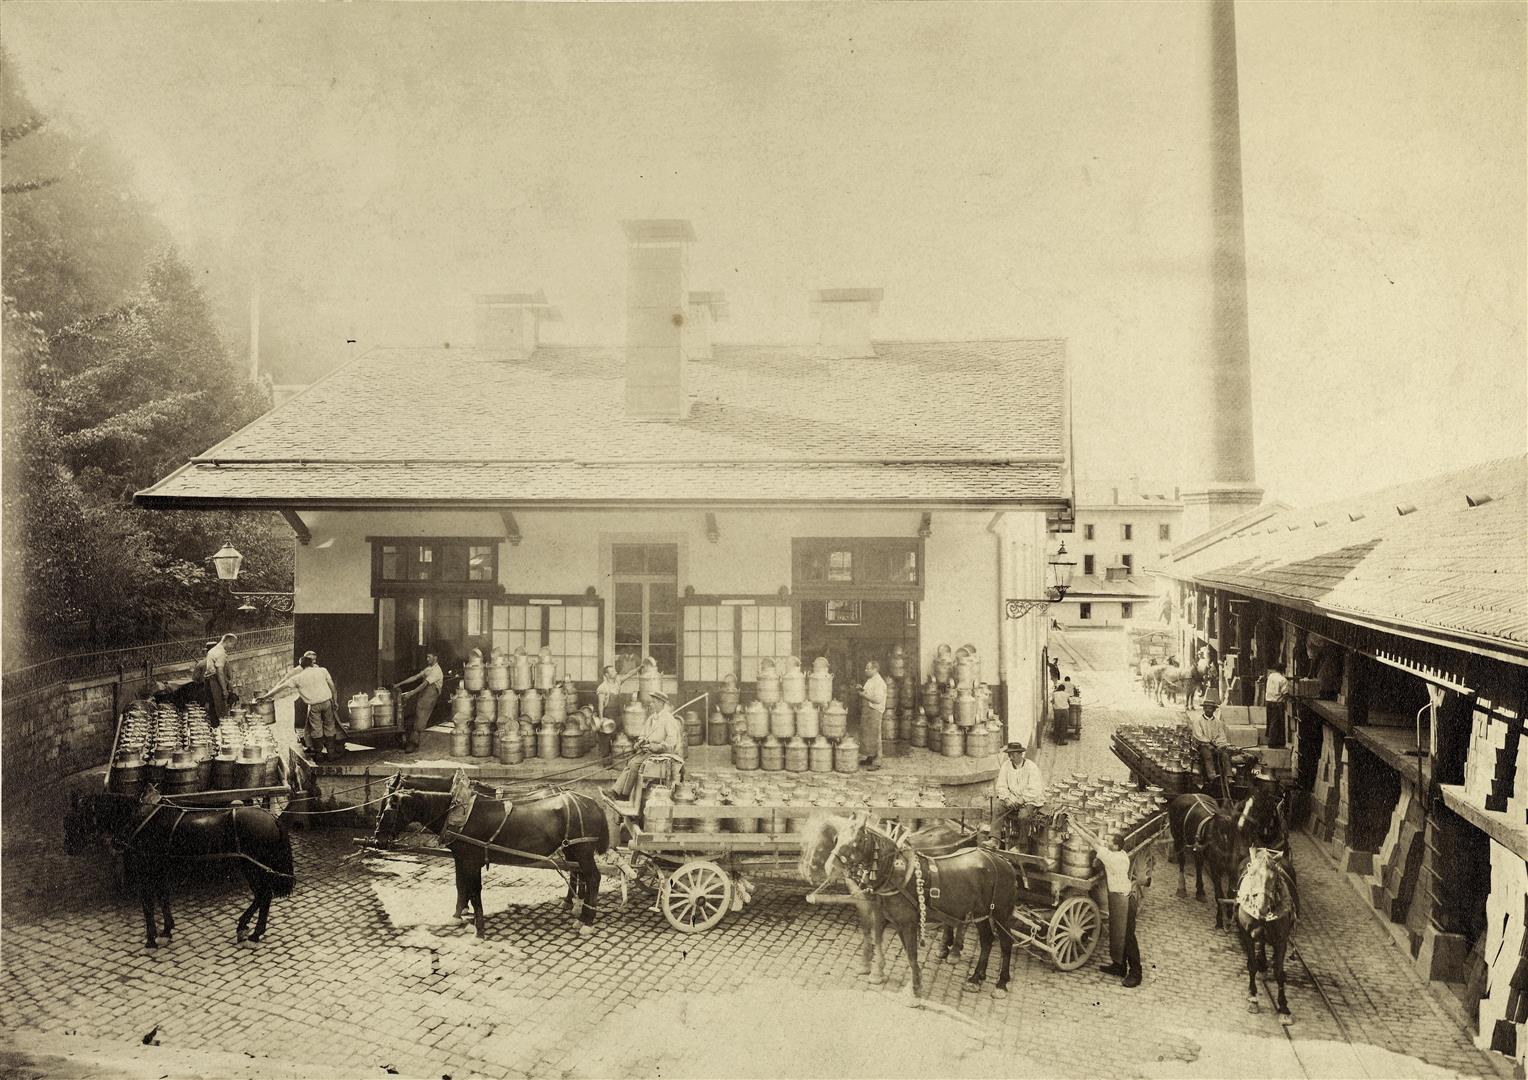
pixel 696 896
pixel 1074 931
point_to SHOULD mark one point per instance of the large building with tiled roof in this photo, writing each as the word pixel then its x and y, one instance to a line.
pixel 703 503
pixel 1402 616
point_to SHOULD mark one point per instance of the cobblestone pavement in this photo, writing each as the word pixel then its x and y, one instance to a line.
pixel 363 974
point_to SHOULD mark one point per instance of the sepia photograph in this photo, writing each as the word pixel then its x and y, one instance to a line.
pixel 764 540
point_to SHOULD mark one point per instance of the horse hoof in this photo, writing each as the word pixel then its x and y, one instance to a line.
pixel 876 980
pixel 970 984
pixel 1182 893
pixel 1000 991
pixel 941 955
pixel 864 970
pixel 1286 1019
pixel 586 931
pixel 249 943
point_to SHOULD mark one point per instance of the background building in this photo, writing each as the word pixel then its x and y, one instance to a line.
pixel 1120 540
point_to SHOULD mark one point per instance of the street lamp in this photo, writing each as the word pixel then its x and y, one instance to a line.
pixel 1062 567
pixel 226 561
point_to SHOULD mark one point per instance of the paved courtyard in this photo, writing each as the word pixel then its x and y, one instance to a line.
pixel 363 974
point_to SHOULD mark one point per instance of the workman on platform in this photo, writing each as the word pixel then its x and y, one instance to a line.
pixel 217 684
pixel 651 761
pixel 1207 736
pixel 1019 789
pixel 1124 903
pixel 1275 693
pixel 423 698
pixel 872 709
pixel 316 688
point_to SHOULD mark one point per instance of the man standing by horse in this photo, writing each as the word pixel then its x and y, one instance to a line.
pixel 662 740
pixel 1124 903
pixel 423 698
pixel 1019 789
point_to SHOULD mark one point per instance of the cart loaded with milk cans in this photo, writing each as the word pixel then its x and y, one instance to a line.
pixel 191 763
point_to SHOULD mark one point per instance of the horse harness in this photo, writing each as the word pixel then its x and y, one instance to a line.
pixel 450 835
pixel 920 874
pixel 125 845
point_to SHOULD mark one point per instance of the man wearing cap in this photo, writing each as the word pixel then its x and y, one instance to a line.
pixel 1019 789
pixel 662 735
pixel 1275 693
pixel 1208 736
pixel 422 698
pixel 316 688
pixel 872 709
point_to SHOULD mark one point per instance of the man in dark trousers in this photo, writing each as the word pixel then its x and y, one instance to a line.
pixel 872 709
pixel 1124 903
pixel 423 698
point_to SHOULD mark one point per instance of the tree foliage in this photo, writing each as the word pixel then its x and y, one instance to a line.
pixel 114 374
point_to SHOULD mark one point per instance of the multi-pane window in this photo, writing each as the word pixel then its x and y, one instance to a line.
pixel 1164 531
pixel 570 631
pixel 843 613
pixel 840 566
pixel 1126 611
pixel 1087 532
pixel 710 642
pixel 1127 531
pixel 766 631
pixel 646 603
pixel 868 563
pixel 440 561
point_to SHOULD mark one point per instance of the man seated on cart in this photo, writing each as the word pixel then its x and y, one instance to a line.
pixel 1019 790
pixel 1210 741
pixel 657 757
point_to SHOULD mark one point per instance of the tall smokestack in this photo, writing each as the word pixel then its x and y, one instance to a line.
pixel 254 330
pixel 1227 482
pixel 657 302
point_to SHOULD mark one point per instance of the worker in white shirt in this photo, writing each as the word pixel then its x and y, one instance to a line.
pixel 1207 736
pixel 872 709
pixel 423 698
pixel 316 688
pixel 212 672
pixel 1275 693
pixel 662 739
pixel 1019 789
pixel 1124 903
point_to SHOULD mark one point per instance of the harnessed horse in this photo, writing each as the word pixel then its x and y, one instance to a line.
pixel 908 883
pixel 1267 908
pixel 560 828
pixel 160 843
pixel 1220 835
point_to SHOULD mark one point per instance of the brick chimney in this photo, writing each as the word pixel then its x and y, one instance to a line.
pixel 511 321
pixel 705 309
pixel 843 322
pixel 657 304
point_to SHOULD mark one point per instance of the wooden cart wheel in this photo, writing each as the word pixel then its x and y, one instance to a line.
pixel 696 896
pixel 1074 932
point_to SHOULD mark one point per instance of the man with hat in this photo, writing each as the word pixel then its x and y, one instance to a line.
pixel 1207 736
pixel 316 688
pixel 661 740
pixel 422 698
pixel 1019 789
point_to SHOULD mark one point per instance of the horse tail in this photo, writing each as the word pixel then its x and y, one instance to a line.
pixel 284 878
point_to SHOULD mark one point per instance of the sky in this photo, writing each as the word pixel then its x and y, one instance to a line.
pixel 1001 170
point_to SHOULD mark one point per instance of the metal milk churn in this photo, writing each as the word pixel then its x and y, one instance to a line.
pixel 527 739
pixel 931 697
pixel 965 669
pixel 482 738
pixel 649 680
pixel 771 754
pixel 919 736
pixel 952 740
pixel 888 727
pixel 621 746
pixel 807 720
pixel 549 739
pixel 835 720
pixel 947 706
pixel 846 755
pixel 983 700
pixel 360 711
pixel 461 706
pixel 472 674
pixel 658 812
pixel 934 736
pixel 729 695
pixel 793 683
pixel 717 730
pixel 633 718
pixel 767 689
pixel 905 725
pixel 520 672
pixel 569 696
pixel 782 720
pixel 546 670
pixel 820 756
pixel 694 730
pixel 944 661
pixel 684 795
pixel 758 720
pixel 498 672
pixel 976 741
pixel 796 757
pixel 530 704
pixel 574 740
pixel 892 700
pixel 819 684
pixel 382 708
pixel 487 708
pixel 555 706
pixel 896 664
pixel 745 753
pixel 461 741
pixel 509 752
pixel 965 707
pixel 508 706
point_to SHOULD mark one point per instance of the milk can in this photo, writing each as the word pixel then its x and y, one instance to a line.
pixel 684 795
pixel 472 674
pixel 649 680
pixel 527 739
pixel 520 672
pixel 965 670
pixel 976 741
pixel 574 739
pixel 507 706
pixel 461 741
pixel 835 720
pixel 888 727
pixel 782 720
pixel 555 705
pixel 382 708
pixel 892 699
pixel 952 740
pixel 728 696
pixel 718 732
pixel 820 756
pixel 498 672
pixel 797 758
pixel 546 670
pixel 793 682
pixel 569 696
pixel 222 771
pixel 819 684
pixel 745 753
pixel 807 720
pixel 771 754
pixel 947 707
pixel 461 706
pixel 509 749
pixel 658 812
pixel 944 661
pixel 548 740
pixel 905 725
pixel 621 745
pixel 694 730
pixel 919 736
pixel 846 755
pixel 487 708
pixel 896 665
pixel 965 707
pixel 633 718
pixel 767 689
pixel 482 739
pixel 758 720
pixel 931 697
pixel 530 704
pixel 933 736
pixel 360 711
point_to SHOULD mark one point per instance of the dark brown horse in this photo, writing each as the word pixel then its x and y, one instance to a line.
pixel 559 829
pixel 1199 824
pixel 162 843
pixel 910 886
pixel 1267 908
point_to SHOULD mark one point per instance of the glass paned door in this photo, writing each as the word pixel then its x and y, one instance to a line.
pixel 646 604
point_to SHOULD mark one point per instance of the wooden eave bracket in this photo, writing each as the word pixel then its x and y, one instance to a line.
pixel 511 527
pixel 299 528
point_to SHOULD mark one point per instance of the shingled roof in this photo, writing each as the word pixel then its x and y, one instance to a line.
pixel 1449 553
pixel 979 422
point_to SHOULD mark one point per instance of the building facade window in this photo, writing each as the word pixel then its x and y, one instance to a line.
pixel 843 612
pixel 766 631
pixel 871 564
pixel 439 561
pixel 1127 531
pixel 1087 532
pixel 1164 531
pixel 710 641
pixel 1087 565
pixel 570 630
pixel 1126 611
pixel 433 594
pixel 646 603
pixel 1084 611
pixel 1127 560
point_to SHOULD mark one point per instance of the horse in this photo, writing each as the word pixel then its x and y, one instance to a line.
pixel 160 843
pixel 910 885
pixel 1263 818
pixel 1267 908
pixel 1169 682
pixel 1218 843
pixel 551 829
